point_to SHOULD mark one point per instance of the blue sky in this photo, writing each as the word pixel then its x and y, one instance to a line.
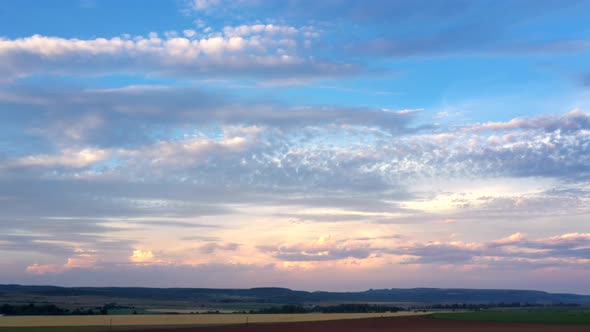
pixel 445 141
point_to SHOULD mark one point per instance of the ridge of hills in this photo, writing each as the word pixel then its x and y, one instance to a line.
pixel 285 295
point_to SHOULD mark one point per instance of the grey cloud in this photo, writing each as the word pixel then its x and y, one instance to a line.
pixel 327 251
pixel 573 241
pixel 41 241
pixel 170 223
pixel 308 173
pixel 33 243
pixel 130 116
pixel 212 247
pixel 109 275
pixel 200 238
pixel 359 253
pixel 100 199
pixel 438 253
pixel 384 237
pixel 567 246
pixel 570 122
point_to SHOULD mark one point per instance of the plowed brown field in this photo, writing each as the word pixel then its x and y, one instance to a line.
pixel 401 324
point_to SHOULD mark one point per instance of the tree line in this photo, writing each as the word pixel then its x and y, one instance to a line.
pixel 53 310
pixel 340 308
pixel 483 306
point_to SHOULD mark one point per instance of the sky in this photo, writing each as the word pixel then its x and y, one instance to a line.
pixel 316 145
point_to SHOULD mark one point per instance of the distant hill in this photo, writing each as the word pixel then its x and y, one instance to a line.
pixel 284 295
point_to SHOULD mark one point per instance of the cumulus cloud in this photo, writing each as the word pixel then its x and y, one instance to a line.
pixel 514 251
pixel 142 256
pixel 513 239
pixel 572 121
pixel 452 27
pixel 566 249
pixel 67 158
pixel 323 249
pixel 258 50
pixel 82 260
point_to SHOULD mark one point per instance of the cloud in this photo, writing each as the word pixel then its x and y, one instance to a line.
pixel 67 158
pixel 445 28
pixel 521 256
pixel 189 33
pixel 572 121
pixel 82 260
pixel 44 269
pixel 266 52
pixel 142 256
pixel 515 251
pixel 349 167
pixel 155 152
pixel 440 253
pixel 564 241
pixel 323 249
pixel 129 116
pixel 513 239
pixel 212 247
pixel 171 223
pixel 203 4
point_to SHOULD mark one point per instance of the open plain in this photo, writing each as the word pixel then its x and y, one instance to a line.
pixel 410 322
pixel 401 324
pixel 97 321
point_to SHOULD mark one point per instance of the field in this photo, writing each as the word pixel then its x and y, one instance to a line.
pixel 119 322
pixel 542 320
pixel 545 316
pixel 402 324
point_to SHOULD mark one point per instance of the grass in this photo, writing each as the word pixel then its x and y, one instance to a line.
pixel 543 316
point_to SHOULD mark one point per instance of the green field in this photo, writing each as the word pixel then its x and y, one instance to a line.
pixel 545 316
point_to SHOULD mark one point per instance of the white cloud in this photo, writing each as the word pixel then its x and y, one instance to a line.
pixel 189 33
pixel 203 4
pixel 83 259
pixel 66 158
pixel 513 239
pixel 257 50
pixel 574 120
pixel 142 256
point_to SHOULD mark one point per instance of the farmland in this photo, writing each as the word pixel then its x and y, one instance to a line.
pixel 403 324
pixel 94 323
pixel 544 320
pixel 545 316
pixel 279 309
pixel 408 324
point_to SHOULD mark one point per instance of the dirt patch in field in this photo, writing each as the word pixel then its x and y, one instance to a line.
pixel 402 324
